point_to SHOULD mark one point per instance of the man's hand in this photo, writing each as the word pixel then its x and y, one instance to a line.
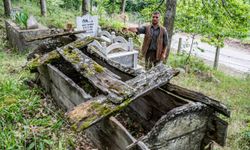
pixel 130 29
pixel 163 56
pixel 124 29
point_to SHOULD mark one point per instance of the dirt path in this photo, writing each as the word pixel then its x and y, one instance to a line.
pixel 232 56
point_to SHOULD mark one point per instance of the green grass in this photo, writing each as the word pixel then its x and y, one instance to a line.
pixel 246 40
pixel 28 120
pixel 232 91
pixel 56 16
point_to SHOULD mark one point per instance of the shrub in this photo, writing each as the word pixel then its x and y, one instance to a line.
pixel 193 64
pixel 21 19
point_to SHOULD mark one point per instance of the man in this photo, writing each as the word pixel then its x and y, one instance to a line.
pixel 155 41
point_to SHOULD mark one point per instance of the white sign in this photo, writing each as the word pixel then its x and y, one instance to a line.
pixel 87 23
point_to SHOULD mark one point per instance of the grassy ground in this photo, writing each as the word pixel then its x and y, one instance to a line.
pixel 232 91
pixel 235 94
pixel 56 16
pixel 30 120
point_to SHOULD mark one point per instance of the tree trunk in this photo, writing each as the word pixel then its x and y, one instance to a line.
pixel 216 59
pixel 7 7
pixel 123 5
pixel 85 7
pixel 43 7
pixel 169 20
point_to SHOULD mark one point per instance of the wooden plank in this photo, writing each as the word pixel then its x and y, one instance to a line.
pixel 217 130
pixel 70 89
pixel 92 111
pixel 177 128
pixel 54 35
pixel 190 141
pixel 61 99
pixel 100 77
pixel 153 78
pixel 46 84
pixel 54 55
pixel 197 97
pixel 44 77
pixel 110 134
pixel 155 104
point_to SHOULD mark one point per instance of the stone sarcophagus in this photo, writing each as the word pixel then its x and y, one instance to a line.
pixel 123 107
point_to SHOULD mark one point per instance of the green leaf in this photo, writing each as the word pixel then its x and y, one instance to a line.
pixel 31 146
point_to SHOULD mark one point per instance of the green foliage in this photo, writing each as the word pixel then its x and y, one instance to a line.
pixel 111 6
pixel 57 17
pixel 22 19
pixel 234 93
pixel 245 136
pixel 108 22
pixel 52 5
pixel 71 4
pixel 194 64
pixel 27 121
pixel 215 19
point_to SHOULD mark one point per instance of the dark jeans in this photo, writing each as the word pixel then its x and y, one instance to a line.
pixel 150 59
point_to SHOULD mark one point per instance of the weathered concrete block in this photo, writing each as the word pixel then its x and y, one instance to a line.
pixel 17 37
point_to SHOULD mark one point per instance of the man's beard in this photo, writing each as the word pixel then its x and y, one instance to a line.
pixel 154 23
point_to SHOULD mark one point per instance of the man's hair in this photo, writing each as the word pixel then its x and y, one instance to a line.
pixel 156 13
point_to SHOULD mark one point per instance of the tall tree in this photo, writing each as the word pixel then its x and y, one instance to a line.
pixel 216 20
pixel 85 7
pixel 169 20
pixel 123 5
pixel 43 7
pixel 7 7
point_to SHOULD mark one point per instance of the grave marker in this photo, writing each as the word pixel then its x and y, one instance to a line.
pixel 88 23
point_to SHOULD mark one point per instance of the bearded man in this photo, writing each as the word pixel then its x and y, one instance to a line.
pixel 154 48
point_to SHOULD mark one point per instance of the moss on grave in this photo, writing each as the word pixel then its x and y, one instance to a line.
pixel 81 43
pixel 98 68
pixel 97 111
pixel 72 55
pixel 45 59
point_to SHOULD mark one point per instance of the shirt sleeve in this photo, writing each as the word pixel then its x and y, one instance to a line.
pixel 165 38
pixel 141 30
